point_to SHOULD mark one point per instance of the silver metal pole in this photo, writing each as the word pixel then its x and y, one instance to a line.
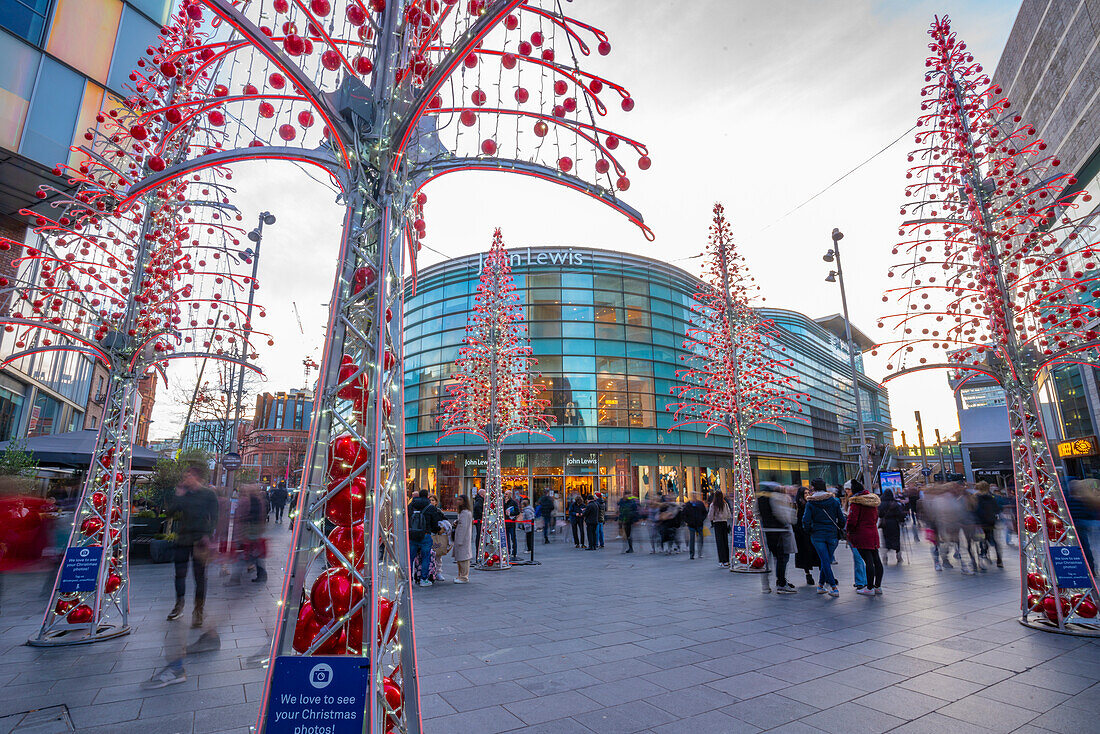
pixel 863 468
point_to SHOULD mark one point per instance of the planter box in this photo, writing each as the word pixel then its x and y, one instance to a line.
pixel 162 551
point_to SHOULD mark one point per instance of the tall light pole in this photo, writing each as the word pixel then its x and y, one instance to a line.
pixel 256 236
pixel 833 277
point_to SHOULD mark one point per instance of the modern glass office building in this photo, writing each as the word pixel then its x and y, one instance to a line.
pixel 607 329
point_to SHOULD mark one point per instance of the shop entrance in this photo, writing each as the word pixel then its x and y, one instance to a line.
pixel 583 486
pixel 514 480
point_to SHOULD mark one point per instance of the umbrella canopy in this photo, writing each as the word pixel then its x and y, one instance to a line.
pixel 74 450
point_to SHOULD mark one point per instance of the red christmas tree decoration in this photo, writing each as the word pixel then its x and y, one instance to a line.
pixel 736 377
pixel 999 277
pixel 495 395
pixel 131 281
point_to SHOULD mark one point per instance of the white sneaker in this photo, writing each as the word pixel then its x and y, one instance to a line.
pixel 723 565
pixel 423 582
pixel 788 589
pixel 822 590
pixel 878 591
pixel 834 591
pixel 766 590
pixel 166 677
pixel 462 581
pixel 865 592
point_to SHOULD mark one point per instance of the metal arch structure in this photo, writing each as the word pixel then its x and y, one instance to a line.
pixel 999 278
pixel 127 285
pixel 736 377
pixel 356 87
pixel 494 395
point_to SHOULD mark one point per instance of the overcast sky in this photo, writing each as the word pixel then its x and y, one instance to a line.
pixel 759 105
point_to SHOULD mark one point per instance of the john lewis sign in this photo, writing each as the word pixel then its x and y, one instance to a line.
pixel 565 258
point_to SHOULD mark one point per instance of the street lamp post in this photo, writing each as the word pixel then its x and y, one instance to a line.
pixel 833 277
pixel 256 236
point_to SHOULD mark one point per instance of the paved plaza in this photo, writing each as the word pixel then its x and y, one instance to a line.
pixel 607 643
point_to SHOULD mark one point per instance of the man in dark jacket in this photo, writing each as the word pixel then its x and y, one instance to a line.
pixel 424 520
pixel 196 506
pixel 628 515
pixel 986 510
pixel 479 512
pixel 279 497
pixel 591 520
pixel 695 514
pixel 575 513
pixel 511 512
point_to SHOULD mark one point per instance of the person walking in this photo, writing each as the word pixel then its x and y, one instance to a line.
pixel 251 511
pixel 196 507
pixel 628 515
pixel 891 516
pixel 279 496
pixel 859 568
pixel 986 510
pixel 695 515
pixel 478 515
pixel 511 513
pixel 527 524
pixel 546 512
pixel 824 520
pixel 805 557
pixel 601 518
pixel 777 513
pixel 424 520
pixel 591 520
pixel 463 540
pixel 862 526
pixel 719 516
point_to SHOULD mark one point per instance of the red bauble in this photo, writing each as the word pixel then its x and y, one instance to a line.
pixel 468 118
pixel 644 163
pixel 1086 607
pixel 363 65
pixel 320 7
pixel 1055 527
pixel 267 110
pixel 334 645
pixel 602 166
pixel 489 147
pixel 541 128
pixel 349 541
pixel 1031 524
pixel 80 615
pixel 364 277
pixel 604 48
pixel 1051 604
pixel 305 118
pixel 348 506
pixel 63 606
pixel 522 95
pixel 478 97
pixel 287 132
pixel 356 389
pixel 741 557
pixel 565 163
pixel 345 454
pixel 755 546
pixel 156 163
pixel 356 15
pixel 113 583
pixel 508 61
pixel 757 562
pixel 330 60
pixel 385 611
pixel 91 526
pixel 1036 581
pixel 99 501
pixel 334 593
pixel 623 184
pixel 305 629
pixel 394 698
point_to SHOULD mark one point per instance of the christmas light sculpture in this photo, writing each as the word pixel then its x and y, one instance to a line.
pixel 385 96
pixel 132 282
pixel 495 396
pixel 736 377
pixel 998 275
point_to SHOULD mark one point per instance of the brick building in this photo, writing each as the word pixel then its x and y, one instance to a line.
pixel 275 442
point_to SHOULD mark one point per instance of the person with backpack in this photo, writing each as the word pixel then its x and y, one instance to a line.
pixel 986 510
pixel 424 520
pixel 628 515
pixel 776 517
pixel 824 520
pixel 695 514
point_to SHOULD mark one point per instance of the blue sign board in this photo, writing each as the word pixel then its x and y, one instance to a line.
pixel 318 694
pixel 1069 567
pixel 890 480
pixel 81 569
pixel 739 536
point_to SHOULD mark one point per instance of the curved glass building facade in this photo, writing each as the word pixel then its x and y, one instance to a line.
pixel 607 329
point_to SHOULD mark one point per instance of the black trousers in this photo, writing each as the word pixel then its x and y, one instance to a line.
pixel 874 567
pixel 578 532
pixel 510 538
pixel 530 537
pixel 184 553
pixel 990 533
pixel 477 536
pixel 627 527
pixel 591 535
pixel 722 540
pixel 279 512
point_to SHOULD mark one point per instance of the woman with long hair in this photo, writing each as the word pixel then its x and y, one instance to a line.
pixel 463 545
pixel 719 516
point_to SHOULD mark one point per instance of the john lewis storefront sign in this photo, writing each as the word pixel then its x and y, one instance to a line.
pixel 565 258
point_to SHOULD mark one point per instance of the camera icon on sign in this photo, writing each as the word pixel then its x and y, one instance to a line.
pixel 320 676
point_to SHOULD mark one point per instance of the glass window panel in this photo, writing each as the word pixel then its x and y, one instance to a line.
pixel 544 280
pixel 577 297
pixel 572 312
pixel 545 329
pixel 82 35
pixel 578 329
pixel 579 364
pixel 89 108
pixel 155 9
pixel 608 283
pixel 581 281
pixel 52 116
pixel 25 18
pixel 17 73
pixel 135 34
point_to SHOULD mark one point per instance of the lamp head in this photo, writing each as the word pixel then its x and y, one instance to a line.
pixel 269 218
pixel 837 235
pixel 832 277
pixel 828 256
pixel 254 235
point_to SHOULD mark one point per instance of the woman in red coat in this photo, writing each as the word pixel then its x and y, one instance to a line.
pixel 862 530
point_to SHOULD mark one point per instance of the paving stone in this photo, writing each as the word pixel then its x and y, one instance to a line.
pixel 768 711
pixel 851 718
pixel 994 715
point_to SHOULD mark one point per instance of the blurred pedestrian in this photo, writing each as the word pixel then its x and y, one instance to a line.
pixel 891 516
pixel 777 514
pixel 824 520
pixel 251 511
pixel 695 516
pixel 546 512
pixel 862 527
pixel 986 511
pixel 805 557
pixel 719 516
pixel 478 515
pixel 196 508
pixel 575 513
pixel 463 537
pixel 527 523
pixel 628 515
